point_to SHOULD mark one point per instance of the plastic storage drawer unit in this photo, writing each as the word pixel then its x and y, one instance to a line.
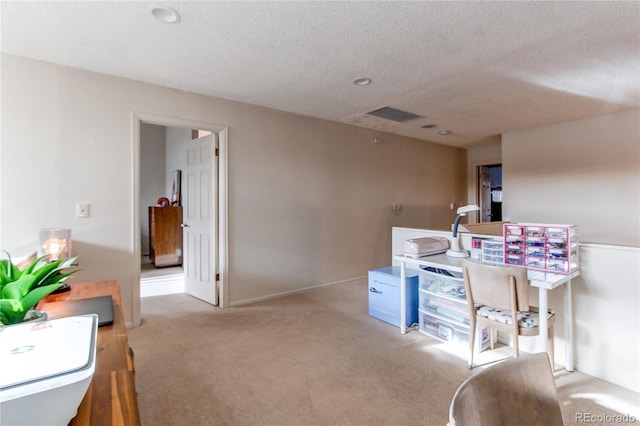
pixel 444 310
pixel 457 310
pixel 441 284
pixel 449 331
pixel 384 295
pixel 544 247
pixel 493 252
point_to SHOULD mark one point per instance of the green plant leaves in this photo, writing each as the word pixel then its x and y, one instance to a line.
pixel 11 311
pixel 21 290
pixel 9 270
pixel 18 289
pixel 33 264
pixel 35 295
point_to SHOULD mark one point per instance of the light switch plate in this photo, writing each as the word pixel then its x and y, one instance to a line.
pixel 82 210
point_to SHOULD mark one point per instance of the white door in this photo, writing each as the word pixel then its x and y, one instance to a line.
pixel 199 218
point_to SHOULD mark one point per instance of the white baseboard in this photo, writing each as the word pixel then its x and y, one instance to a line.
pixel 290 292
pixel 159 286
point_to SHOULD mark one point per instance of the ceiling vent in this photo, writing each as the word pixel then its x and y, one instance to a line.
pixel 394 114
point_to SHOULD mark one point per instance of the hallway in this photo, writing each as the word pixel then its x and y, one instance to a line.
pixel 160 281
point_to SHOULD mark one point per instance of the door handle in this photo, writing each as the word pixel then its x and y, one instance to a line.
pixel 184 225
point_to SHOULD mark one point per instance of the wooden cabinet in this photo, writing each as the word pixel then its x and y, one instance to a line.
pixel 165 236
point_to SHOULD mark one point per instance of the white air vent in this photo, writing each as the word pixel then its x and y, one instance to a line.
pixel 394 114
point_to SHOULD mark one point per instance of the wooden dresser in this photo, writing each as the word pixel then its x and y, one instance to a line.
pixel 111 398
pixel 165 236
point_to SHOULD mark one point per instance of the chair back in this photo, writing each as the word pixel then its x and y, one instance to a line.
pixel 491 285
pixel 513 392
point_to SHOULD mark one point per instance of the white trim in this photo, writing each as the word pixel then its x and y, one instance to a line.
pixel 136 319
pixel 165 120
pixel 223 244
pixel 608 247
pixel 162 285
pixel 223 214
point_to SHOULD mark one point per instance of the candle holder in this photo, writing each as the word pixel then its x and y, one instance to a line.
pixel 55 243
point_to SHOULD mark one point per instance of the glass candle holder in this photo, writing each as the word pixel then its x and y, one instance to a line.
pixel 55 243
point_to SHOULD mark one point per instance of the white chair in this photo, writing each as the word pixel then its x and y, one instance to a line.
pixel 498 297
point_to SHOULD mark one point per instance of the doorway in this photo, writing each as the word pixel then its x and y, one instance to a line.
pixel 162 208
pixel 490 192
pixel 219 192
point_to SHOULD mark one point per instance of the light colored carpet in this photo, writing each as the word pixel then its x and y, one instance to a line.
pixel 313 358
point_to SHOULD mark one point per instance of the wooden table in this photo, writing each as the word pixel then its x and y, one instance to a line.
pixel 111 398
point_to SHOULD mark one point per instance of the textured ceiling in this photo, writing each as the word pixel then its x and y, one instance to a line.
pixel 477 69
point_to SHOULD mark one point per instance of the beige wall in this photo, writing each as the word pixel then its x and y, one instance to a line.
pixel 309 200
pixel 331 190
pixel 584 172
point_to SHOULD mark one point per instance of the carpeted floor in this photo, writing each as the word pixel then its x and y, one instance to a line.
pixel 313 358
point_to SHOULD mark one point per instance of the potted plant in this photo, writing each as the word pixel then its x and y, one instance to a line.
pixel 22 289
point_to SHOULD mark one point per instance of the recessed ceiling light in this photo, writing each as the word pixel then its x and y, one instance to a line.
pixel 362 81
pixel 166 15
pixel 443 132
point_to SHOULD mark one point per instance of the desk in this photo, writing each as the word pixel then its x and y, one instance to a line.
pixel 544 281
pixel 111 398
